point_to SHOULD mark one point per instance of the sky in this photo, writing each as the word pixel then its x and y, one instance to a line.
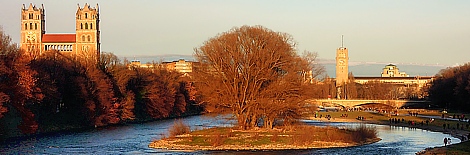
pixel 433 32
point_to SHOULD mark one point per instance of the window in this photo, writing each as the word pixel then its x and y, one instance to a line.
pixel 89 38
pixel 86 15
pixel 35 26
pixel 30 16
pixel 81 25
pixel 30 26
pixel 83 38
pixel 86 25
pixel 25 26
pixel 91 26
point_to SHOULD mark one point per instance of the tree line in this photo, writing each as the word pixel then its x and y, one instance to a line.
pixel 56 91
pixel 451 88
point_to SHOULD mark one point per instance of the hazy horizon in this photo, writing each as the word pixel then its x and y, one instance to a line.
pixel 421 31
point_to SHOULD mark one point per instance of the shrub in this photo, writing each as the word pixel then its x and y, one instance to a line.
pixel 178 128
pixel 363 132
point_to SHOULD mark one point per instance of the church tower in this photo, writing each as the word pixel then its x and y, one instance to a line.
pixel 342 60
pixel 88 32
pixel 33 26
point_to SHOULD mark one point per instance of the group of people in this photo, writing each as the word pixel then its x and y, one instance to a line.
pixel 413 113
pixel 396 120
pixel 327 116
pixel 361 118
pixel 447 141
pixel 458 125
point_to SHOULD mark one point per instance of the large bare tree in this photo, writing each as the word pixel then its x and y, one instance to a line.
pixel 253 73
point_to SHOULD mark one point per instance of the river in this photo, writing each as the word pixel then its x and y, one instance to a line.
pixel 134 139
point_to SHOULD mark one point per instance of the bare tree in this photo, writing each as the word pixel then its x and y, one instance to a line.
pixel 253 73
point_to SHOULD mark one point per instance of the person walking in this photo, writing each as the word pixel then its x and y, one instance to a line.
pixel 445 141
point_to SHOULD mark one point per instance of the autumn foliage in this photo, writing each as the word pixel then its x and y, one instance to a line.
pixel 253 73
pixel 451 89
pixel 59 91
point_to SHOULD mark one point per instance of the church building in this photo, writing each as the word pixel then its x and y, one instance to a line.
pixel 85 42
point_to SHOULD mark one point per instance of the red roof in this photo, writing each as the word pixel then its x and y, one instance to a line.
pixel 58 38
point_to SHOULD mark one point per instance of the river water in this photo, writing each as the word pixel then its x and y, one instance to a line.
pixel 134 139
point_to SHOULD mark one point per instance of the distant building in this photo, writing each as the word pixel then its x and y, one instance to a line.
pixel 136 63
pixel 84 43
pixel 392 71
pixel 390 75
pixel 418 81
pixel 342 65
pixel 180 65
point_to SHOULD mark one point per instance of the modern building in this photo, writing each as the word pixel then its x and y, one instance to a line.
pixel 180 65
pixel 85 42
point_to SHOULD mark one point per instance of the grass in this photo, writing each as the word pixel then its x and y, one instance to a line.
pixel 455 149
pixel 300 135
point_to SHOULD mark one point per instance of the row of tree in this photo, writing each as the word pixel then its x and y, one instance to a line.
pixel 57 91
pixel 451 89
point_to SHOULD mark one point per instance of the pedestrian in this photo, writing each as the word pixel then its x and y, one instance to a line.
pixel 449 141
pixel 445 141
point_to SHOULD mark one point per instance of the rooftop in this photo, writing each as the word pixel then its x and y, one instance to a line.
pixel 58 38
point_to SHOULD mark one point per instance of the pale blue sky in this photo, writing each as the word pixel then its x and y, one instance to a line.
pixel 395 31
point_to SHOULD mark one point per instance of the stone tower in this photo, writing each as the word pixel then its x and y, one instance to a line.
pixel 33 26
pixel 88 31
pixel 342 59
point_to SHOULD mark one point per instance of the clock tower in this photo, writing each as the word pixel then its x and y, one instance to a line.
pixel 33 26
pixel 88 31
pixel 342 60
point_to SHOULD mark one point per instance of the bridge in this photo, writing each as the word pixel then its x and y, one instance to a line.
pixel 353 103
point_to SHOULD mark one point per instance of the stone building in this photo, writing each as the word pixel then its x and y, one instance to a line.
pixel 342 60
pixel 393 71
pixel 85 42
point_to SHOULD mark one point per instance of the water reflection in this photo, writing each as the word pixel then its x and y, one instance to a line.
pixel 134 139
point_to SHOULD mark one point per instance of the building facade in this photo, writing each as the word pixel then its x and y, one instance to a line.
pixel 84 43
pixel 393 71
pixel 342 65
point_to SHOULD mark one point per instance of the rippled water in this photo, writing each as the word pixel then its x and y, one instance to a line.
pixel 134 139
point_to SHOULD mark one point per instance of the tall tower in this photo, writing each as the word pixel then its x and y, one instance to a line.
pixel 33 26
pixel 341 65
pixel 88 32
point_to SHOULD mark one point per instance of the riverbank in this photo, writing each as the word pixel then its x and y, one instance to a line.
pixel 51 130
pixel 296 138
pixel 436 125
